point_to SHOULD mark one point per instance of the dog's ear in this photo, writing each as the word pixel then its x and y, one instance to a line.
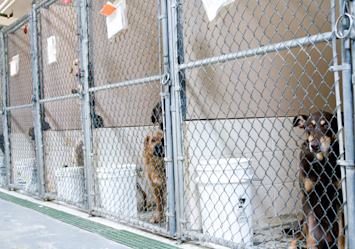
pixel 31 133
pixel 45 126
pixel 300 121
pixel 71 69
pixel 156 112
pixel 153 118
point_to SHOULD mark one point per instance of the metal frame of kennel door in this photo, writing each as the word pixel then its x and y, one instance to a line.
pixel 6 99
pixel 86 119
pixel 4 112
pixel 169 110
pixel 339 119
pixel 36 105
pixel 179 66
pixel 176 117
pixel 348 107
pixel 165 82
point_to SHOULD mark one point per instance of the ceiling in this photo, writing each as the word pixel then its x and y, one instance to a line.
pixel 20 8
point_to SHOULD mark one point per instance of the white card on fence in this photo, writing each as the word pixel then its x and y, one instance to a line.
pixel 117 21
pixel 14 65
pixel 52 49
pixel 213 7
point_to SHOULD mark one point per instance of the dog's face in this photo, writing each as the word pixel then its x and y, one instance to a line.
pixel 157 115
pixel 31 131
pixel 154 144
pixel 320 129
pixel 98 122
pixel 75 67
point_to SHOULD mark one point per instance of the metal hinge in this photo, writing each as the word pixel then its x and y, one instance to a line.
pixel 343 67
pixel 346 163
pixel 161 17
pixel 168 159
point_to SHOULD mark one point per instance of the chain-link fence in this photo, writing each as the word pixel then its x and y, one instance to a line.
pixel 125 73
pixel 243 78
pixel 19 140
pixel 206 121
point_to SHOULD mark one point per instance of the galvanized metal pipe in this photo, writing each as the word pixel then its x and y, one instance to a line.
pixel 64 97
pixel 349 131
pixel 305 41
pixel 176 117
pixel 4 113
pixel 37 108
pixel 168 122
pixel 16 25
pixel 219 241
pixel 132 221
pixel 126 83
pixel 45 4
pixel 339 115
pixel 86 114
pixel 18 107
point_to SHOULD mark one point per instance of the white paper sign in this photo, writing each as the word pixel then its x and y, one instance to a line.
pixel 52 50
pixel 213 7
pixel 117 21
pixel 14 65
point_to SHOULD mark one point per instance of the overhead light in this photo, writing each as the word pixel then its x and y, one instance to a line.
pixel 7 6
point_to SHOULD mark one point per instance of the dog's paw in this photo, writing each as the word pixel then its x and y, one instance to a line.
pixel 157 219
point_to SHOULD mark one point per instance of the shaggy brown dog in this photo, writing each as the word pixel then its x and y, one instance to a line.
pixel 153 159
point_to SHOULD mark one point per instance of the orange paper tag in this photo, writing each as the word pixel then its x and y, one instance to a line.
pixel 108 9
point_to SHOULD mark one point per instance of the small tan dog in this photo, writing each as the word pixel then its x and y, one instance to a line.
pixel 153 159
pixel 75 67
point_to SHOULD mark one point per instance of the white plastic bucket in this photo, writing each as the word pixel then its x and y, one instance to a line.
pixel 71 184
pixel 2 171
pixel 225 199
pixel 27 174
pixel 118 189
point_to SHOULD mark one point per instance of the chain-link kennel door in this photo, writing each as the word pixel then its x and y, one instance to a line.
pixel 59 84
pixel 19 141
pixel 129 153
pixel 254 83
pixel 3 170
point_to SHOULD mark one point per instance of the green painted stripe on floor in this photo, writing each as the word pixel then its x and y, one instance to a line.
pixel 120 236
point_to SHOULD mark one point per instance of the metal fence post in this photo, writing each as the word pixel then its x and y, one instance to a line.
pixel 338 112
pixel 36 105
pixel 177 114
pixel 348 130
pixel 86 117
pixel 169 118
pixel 4 112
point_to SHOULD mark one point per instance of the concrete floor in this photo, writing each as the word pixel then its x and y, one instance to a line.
pixel 23 228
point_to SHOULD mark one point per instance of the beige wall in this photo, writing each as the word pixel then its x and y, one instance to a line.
pixel 259 86
pixel 20 88
pixel 60 21
pixel 268 85
pixel 132 54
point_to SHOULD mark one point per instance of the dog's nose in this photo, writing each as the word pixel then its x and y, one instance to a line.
pixel 158 150
pixel 315 147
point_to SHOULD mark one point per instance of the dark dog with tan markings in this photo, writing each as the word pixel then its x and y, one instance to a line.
pixel 157 114
pixel 153 159
pixel 320 177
